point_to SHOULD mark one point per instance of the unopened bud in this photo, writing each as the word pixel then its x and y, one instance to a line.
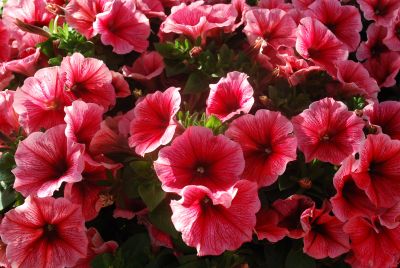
pixel 195 52
pixel 31 28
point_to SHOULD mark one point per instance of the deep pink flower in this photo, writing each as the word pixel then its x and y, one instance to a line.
pixel 121 87
pixel 302 4
pixel 384 69
pixel 3 258
pixel 373 244
pixel 327 131
pixel 123 27
pixel 392 39
pixel 4 42
pixel 267 226
pixel 81 14
pixel 290 211
pixel 343 21
pixel 268 145
pixel 382 12
pixel 8 117
pixel 46 160
pixel 151 8
pixel 355 80
pixel 88 79
pixel 189 20
pixel 96 246
pixel 215 222
pixel 317 43
pixel 378 173
pixel 86 192
pixel 83 121
pixel 197 157
pixel 154 121
pixel 146 67
pixel 271 4
pixel 374 46
pixel 324 233
pixel 44 232
pixel 232 95
pixel 350 200
pixel 26 64
pixel 386 116
pixel 40 101
pixel 275 26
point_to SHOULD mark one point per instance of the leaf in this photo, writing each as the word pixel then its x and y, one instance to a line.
pixel 161 218
pixel 135 252
pixel 7 197
pixel 286 181
pixel 197 82
pixel 151 193
pixel 104 260
pixel 297 259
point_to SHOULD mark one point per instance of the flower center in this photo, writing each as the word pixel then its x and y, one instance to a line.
pixel 325 137
pixel 200 170
pixel 50 231
pixel 52 105
pixel 267 150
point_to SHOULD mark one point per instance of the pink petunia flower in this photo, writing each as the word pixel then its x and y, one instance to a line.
pixel 384 68
pixel 317 43
pixel 267 226
pixel 120 85
pixel 274 26
pixel 343 21
pixel 302 4
pixel 151 8
pixel 324 233
pixel 383 12
pixel 27 63
pixel 378 173
pixel 81 14
pixel 392 39
pixel 40 101
pixel 5 49
pixel 46 160
pixel 268 145
pixel 86 192
pixel 386 115
pixel 374 46
pixel 197 157
pixel 88 79
pixel 373 244
pixel 232 95
pixel 44 232
pixel 215 222
pixel 327 131
pixel 148 66
pixel 96 246
pixel 271 4
pixel 8 117
pixel 355 80
pixel 154 121
pixel 123 27
pixel 222 18
pixel 350 199
pixel 83 121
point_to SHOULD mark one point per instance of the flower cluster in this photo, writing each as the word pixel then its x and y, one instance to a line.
pixel 212 133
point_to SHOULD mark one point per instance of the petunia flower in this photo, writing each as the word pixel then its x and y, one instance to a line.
pixel 268 145
pixel 317 43
pixel 384 68
pixel 197 157
pixel 374 46
pixel 44 232
pixel 154 121
pixel 45 160
pixel 215 222
pixel 120 85
pixel 274 26
pixel 123 27
pixel 40 101
pixel 148 66
pixel 392 39
pixel 383 12
pixel 8 117
pixel 327 131
pixel 88 79
pixel 231 95
pixel 385 115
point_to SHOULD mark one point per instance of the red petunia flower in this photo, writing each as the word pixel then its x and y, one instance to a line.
pixel 40 101
pixel 386 115
pixel 232 95
pixel 46 160
pixel 88 79
pixel 268 145
pixel 274 26
pixel 378 173
pixel 317 43
pixel 154 120
pixel 197 157
pixel 327 131
pixel 392 39
pixel 324 233
pixel 215 222
pixel 44 232
pixel 374 46
pixel 383 12
pixel 120 85
pixel 384 68
pixel 267 226
pixel 343 21
pixel 123 27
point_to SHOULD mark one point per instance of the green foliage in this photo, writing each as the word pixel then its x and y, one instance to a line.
pixel 297 259
pixel 187 119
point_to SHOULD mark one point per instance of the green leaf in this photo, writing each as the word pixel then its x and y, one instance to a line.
pixel 151 193
pixel 286 181
pixel 161 218
pixel 7 197
pixel 197 82
pixel 104 260
pixel 213 122
pixel 135 252
pixel 297 259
